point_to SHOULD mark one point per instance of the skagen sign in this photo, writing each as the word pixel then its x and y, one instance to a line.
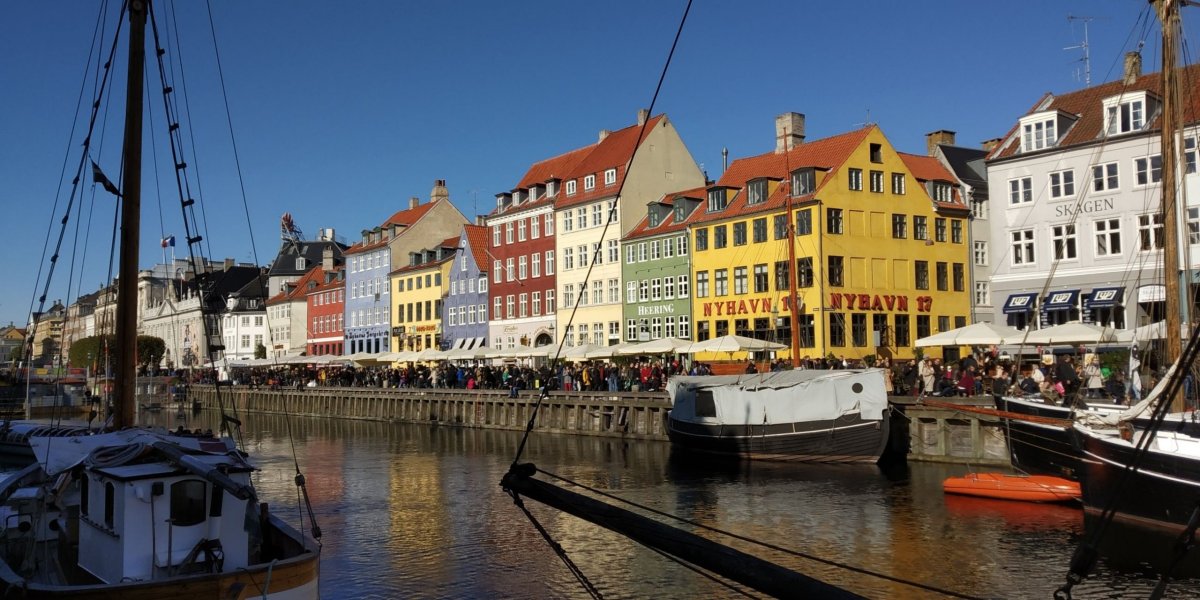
pixel 1085 207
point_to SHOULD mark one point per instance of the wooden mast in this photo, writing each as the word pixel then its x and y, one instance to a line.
pixel 131 208
pixel 1168 11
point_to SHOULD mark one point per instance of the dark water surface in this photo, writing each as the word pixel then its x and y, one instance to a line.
pixel 415 511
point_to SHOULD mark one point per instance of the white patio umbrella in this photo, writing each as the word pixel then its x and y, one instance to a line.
pixel 429 354
pixel 659 346
pixel 609 351
pixel 1153 331
pixel 733 343
pixel 1072 333
pixel 976 334
pixel 580 352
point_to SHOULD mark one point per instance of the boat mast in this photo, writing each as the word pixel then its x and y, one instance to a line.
pixel 793 297
pixel 1168 11
pixel 131 208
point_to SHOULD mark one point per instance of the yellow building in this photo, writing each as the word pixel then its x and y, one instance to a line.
pixel 418 290
pixel 880 247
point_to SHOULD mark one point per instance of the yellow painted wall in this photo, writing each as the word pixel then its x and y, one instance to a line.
pixel 434 283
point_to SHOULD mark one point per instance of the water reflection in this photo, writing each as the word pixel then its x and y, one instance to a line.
pixel 416 511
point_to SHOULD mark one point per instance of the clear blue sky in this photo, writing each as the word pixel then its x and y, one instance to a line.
pixel 343 110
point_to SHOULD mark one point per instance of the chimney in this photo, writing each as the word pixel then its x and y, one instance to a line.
pixel 1133 67
pixel 414 202
pixel 991 144
pixel 439 191
pixel 480 220
pixel 789 131
pixel 228 264
pixel 327 258
pixel 603 134
pixel 643 114
pixel 936 138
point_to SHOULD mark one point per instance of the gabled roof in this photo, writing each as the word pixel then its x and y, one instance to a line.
pixel 406 217
pixel 477 240
pixel 558 167
pixel 612 152
pixel 312 251
pixel 826 153
pixel 928 168
pixel 669 225
pixel 299 288
pixel 334 282
pixel 1087 106
pixel 966 164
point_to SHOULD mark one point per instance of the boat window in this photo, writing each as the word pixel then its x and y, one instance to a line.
pixel 705 406
pixel 83 495
pixel 187 502
pixel 110 497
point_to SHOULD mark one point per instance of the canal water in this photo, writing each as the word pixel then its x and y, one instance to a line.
pixel 415 511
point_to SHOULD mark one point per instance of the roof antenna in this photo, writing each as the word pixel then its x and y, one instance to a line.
pixel 867 122
pixel 1087 57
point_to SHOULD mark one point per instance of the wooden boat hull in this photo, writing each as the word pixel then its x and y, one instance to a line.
pixel 1039 448
pixel 847 439
pixel 1003 486
pixel 1161 495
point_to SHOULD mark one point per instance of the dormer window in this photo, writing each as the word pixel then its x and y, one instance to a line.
pixel 552 188
pixel 589 182
pixel 756 191
pixel 299 263
pixel 716 200
pixel 610 177
pixel 1127 112
pixel 804 182
pixel 941 191
pixel 653 218
pixel 571 187
pixel 1038 135
pixel 679 213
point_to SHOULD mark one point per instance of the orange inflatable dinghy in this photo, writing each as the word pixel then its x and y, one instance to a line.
pixel 1005 486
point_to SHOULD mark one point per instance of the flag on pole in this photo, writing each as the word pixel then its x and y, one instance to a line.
pixel 168 241
pixel 99 177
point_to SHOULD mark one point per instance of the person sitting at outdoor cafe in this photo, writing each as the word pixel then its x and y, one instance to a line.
pixel 966 381
pixel 1115 387
pixel 750 368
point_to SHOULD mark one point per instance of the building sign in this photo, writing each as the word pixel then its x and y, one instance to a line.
pixel 729 308
pixel 1085 207
pixel 425 328
pixel 661 309
pixel 878 302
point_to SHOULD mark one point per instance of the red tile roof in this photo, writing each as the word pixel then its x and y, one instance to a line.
pixel 299 287
pixel 1087 104
pixel 424 265
pixel 334 282
pixel 612 152
pixel 406 217
pixel 825 153
pixel 553 168
pixel 669 225
pixel 477 238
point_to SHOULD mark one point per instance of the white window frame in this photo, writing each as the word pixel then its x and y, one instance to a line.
pixel 1062 184
pixel 610 176
pixel 1024 248
pixel 589 182
pixel 980 253
pixel 1146 171
pixel 1106 177
pixel 1107 231
pixel 1064 241
pixel 1020 190
pixel 571 187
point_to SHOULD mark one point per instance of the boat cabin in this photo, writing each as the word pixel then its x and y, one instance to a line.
pixel 193 525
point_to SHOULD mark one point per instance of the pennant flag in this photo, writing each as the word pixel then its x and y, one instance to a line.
pixel 99 177
pixel 168 241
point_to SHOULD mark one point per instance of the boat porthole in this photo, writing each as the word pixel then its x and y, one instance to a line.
pixel 857 387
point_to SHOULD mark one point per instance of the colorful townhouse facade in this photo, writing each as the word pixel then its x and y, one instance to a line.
pixel 419 290
pixel 878 239
pixel 657 269
pixel 602 199
pixel 1076 210
pixel 465 322
pixel 382 250
pixel 326 298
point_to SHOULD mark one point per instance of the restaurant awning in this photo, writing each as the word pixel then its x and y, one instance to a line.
pixel 1105 297
pixel 1019 303
pixel 1063 300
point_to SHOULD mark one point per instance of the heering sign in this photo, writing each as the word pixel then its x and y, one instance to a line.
pixel 661 309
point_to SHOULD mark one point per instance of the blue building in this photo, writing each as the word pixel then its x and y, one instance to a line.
pixel 465 318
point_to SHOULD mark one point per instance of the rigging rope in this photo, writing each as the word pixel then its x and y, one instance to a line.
pixel 558 549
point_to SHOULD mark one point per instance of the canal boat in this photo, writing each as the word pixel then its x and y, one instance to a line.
pixel 139 513
pixel 1008 486
pixel 799 415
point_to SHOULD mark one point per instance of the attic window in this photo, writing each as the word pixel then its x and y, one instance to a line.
pixel 1038 135
pixel 299 263
pixel 1126 113
pixel 876 153
pixel 610 177
pixel 551 188
pixel 942 192
pixel 679 213
pixel 589 182
pixel 756 191
pixel 654 219
pixel 571 187
pixel 803 182
pixel 716 200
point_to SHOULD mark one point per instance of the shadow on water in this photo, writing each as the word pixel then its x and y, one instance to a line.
pixel 1143 552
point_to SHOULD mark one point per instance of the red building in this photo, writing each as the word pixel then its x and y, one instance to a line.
pixel 326 309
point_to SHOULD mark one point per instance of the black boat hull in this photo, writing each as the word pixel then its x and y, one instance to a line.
pixel 1037 448
pixel 1161 494
pixel 847 439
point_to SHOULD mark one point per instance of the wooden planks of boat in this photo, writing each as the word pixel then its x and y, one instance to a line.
pixel 1005 486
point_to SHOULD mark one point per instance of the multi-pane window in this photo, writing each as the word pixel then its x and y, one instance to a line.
pixel 614 251
pixel 548 221
pixel 760 278
pixel 959 274
pixel 522 268
pixel 571 187
pixel 1126 117
pixel 1193 225
pixel 739 280
pixel 721 282
pixel 610 176
pixel 1150 231
pixel 833 220
pixel 569 294
pixel 943 192
pixel 655 250
pixel 597 215
pixel 508 232
pixel 535 227
pixel 631 292
pixel 956 231
pixel 804 272
pixel 1148 169
pixel 920 229
pixel 939 229
pixel 642 255
pixel 549 262
pixel 1063 238
pixel 656 289
pixel 720 236
pixel 717 200
pixel 681 247
pixel 549 302
pixel 982 296
pixel 581 218
pixel 1020 190
pixel 1108 237
pixel 877 181
pixel 521 230
pixel 760 230
pixel 782 277
pixel 702 239
pixel 669 288
pixel 643 290
pixel 898 184
pixel 702 284
pixel 855 179
pixel 614 290
pixel 683 286
pixel 1189 155
pixel 858 329
pixel 536 267
pixel 598 291
pixel 1022 247
pixel 1105 177
pixel 780 222
pixel 523 305
pixel 510 306
pixel 836 271
pixel 901 331
pixel 568 259
pixel 804 222
pixel 1038 135
pixel 1062 184
pixel 739 234
pixel 922 274
pixel 980 253
pixel 495 239
pixel 899 226
pixel 837 329
pixel 756 191
pixel 509 273
pixel 804 182
pixel 589 182
pixel 942 277
pixel 536 297
pixel 568 220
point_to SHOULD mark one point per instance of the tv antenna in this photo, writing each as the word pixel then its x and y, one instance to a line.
pixel 1087 56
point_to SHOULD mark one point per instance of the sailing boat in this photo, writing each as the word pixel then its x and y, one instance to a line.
pixel 141 513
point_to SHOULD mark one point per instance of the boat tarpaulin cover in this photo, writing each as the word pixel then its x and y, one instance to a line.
pixel 784 396
pixel 58 454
